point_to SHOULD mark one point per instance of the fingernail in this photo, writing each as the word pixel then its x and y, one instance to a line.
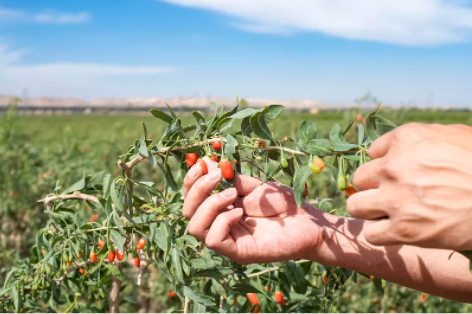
pixel 228 193
pixel 195 171
pixel 212 176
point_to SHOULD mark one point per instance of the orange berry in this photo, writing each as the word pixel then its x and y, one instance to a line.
pixel 101 244
pixel 267 288
pixel 306 188
pixel 43 251
pixel 253 298
pixel 350 190
pixel 217 144
pixel 261 144
pixel 214 158
pixel 257 309
pixel 372 278
pixel 94 218
pixel 93 257
pixel 82 271
pixel 325 280
pixel 171 294
pixel 235 301
pixel 69 264
pixel 119 256
pixel 423 297
pixel 319 162
pixel 279 297
pixel 111 256
pixel 226 169
pixel 191 159
pixel 137 262
pixel 203 164
pixel 79 255
pixel 141 244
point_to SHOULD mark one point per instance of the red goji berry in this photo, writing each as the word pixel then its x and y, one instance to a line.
pixel 191 159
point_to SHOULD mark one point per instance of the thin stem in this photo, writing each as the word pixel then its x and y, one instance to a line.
pixel 75 195
pixel 187 301
pixel 249 161
pixel 275 268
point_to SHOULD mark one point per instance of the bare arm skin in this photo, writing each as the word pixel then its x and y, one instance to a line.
pixel 434 271
pixel 254 223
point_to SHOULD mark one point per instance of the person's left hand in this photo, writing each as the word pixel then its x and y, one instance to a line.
pixel 250 223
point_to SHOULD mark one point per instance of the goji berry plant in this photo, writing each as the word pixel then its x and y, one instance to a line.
pixel 80 264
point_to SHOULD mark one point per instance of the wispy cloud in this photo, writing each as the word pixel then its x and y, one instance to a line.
pixel 16 75
pixel 46 17
pixel 419 22
pixel 62 18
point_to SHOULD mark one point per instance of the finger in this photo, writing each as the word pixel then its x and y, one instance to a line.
pixel 211 164
pixel 196 172
pixel 208 212
pixel 368 205
pixel 246 184
pixel 191 177
pixel 199 192
pixel 219 238
pixel 268 200
pixel 380 146
pixel 368 176
pixel 379 232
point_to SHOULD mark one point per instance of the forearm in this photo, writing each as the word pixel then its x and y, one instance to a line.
pixel 430 270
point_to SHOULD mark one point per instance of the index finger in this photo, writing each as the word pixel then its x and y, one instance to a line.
pixel 380 146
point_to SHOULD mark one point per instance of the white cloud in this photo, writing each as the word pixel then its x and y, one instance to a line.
pixel 47 17
pixel 408 22
pixel 54 78
pixel 62 18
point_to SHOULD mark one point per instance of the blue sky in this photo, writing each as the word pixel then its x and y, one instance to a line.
pixel 412 52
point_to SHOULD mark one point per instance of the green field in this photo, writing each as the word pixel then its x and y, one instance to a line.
pixel 38 151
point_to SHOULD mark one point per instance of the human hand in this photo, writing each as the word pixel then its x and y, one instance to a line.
pixel 264 224
pixel 420 179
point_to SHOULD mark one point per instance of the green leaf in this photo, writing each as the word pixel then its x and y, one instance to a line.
pixel 116 199
pixel 231 144
pixel 115 271
pixel 118 239
pixel 106 185
pixel 360 134
pixel 172 113
pixel 246 127
pixel 307 131
pixel 197 298
pixel 338 141
pixel 142 149
pixel 199 308
pixel 77 186
pixel 376 126
pixel 219 288
pixel 162 115
pixel 259 126
pixel 169 178
pixel 16 299
pixel 177 266
pixel 198 116
pixel 318 147
pixel 244 113
pixel 202 263
pixel 271 112
pixel 299 181
pixel 244 288
pixel 297 277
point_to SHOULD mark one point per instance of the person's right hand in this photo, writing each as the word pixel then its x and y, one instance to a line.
pixel 250 223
